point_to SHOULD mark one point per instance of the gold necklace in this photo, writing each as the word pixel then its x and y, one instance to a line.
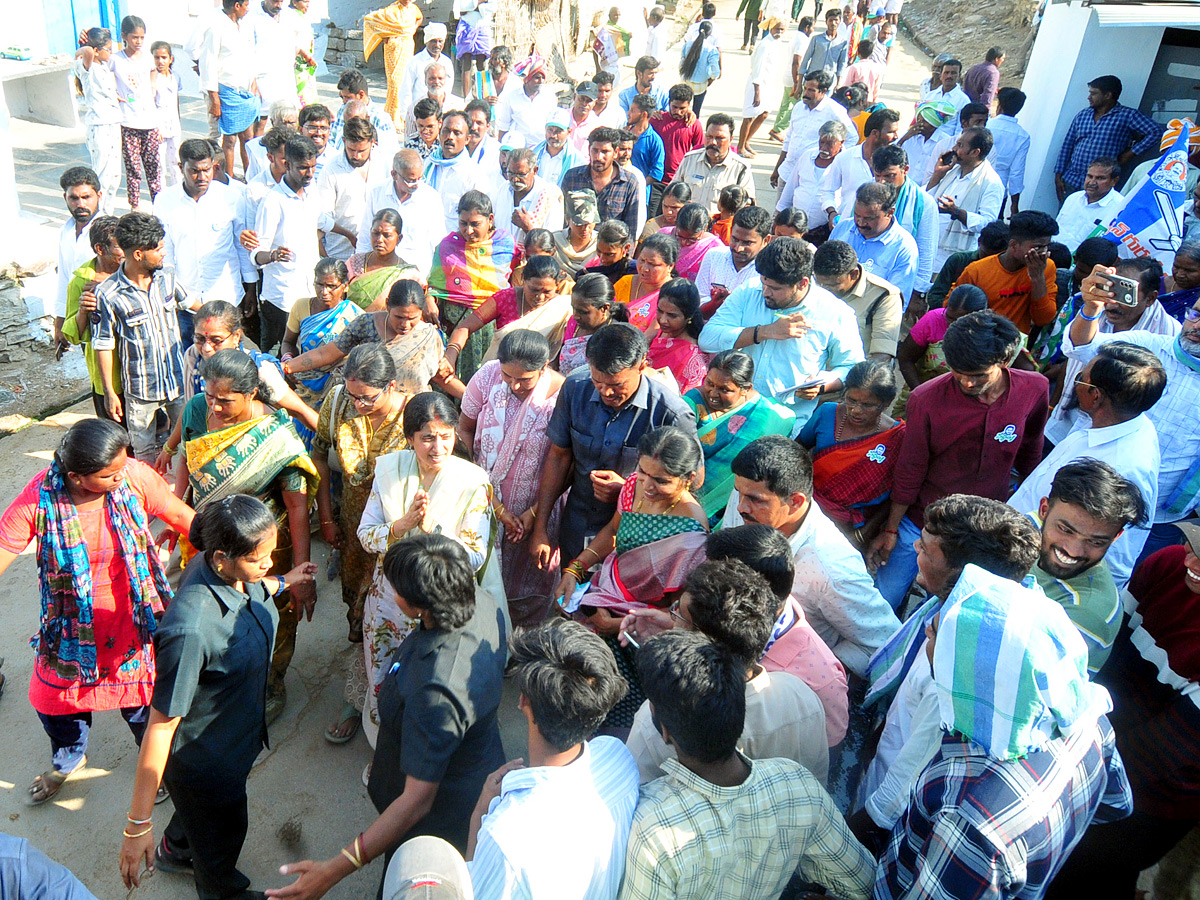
pixel 674 503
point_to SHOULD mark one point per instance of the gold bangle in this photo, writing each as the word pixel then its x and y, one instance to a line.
pixel 133 821
pixel 499 510
pixel 354 862
pixel 328 522
pixel 358 848
pixel 593 552
pixel 138 834
pixel 533 512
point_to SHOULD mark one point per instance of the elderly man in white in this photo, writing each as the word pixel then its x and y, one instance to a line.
pixel 420 210
pixel 414 72
pixel 815 108
pixel 1090 211
pixel 528 201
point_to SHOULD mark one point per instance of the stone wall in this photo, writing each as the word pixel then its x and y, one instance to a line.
pixel 345 48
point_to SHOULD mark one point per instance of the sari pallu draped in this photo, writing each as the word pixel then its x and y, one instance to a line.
pixel 395 27
pixel 246 459
pixel 857 473
pixel 642 576
pixel 691 256
pixel 724 437
pixel 367 287
pixel 317 330
pixel 549 320
pixel 463 275
pixel 65 642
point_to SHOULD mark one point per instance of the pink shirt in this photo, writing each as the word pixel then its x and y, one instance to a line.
pixel 869 73
pixel 800 651
pixel 930 328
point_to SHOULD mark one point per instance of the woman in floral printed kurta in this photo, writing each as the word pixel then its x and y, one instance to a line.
pixel 425 488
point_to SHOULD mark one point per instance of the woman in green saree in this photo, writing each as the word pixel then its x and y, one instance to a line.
pixel 730 414
pixel 234 443
pixel 372 274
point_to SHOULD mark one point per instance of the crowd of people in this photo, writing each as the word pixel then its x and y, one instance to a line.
pixel 837 542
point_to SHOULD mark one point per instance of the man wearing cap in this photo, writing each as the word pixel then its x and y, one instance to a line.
pixel 528 109
pixel 1152 676
pixel 1142 171
pixel 616 190
pixel 526 201
pixel 451 172
pixel 576 784
pixel 580 115
pixel 414 72
pixel 555 155
pixel 1105 128
pixel 575 245
pixel 427 867
pixel 1087 213
pixel 645 71
pixel 709 171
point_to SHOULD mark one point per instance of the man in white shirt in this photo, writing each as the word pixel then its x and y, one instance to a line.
pixel 918 142
pixel 1010 144
pixel 451 172
pixel 527 202
pixel 1115 390
pixel 203 219
pixel 414 72
pixel 574 784
pixel 287 223
pixel 969 194
pixel 527 110
pixel 482 146
pixel 420 210
pixel 852 167
pixel 815 108
pixel 733 605
pixel 1087 213
pixel 555 155
pixel 773 486
pixel 274 52
pixel 606 109
pixel 227 67
pixel 624 150
pixel 316 123
pixel 916 213
pixel 345 182
pixel 725 269
pixel 656 34
pixel 948 91
pixel 81 191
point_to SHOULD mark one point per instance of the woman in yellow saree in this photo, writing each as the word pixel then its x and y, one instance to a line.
pixel 395 27
pixel 234 443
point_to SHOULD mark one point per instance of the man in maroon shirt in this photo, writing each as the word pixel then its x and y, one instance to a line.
pixel 983 79
pixel 967 430
pixel 679 129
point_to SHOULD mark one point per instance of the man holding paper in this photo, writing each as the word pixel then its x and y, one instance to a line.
pixel 802 338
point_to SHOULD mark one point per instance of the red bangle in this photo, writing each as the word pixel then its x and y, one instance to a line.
pixel 891 531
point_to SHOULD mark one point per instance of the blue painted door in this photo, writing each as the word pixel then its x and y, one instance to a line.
pixel 66 18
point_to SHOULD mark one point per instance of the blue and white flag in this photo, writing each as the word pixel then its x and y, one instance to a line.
pixel 1151 223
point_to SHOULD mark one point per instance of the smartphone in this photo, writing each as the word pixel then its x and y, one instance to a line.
pixel 809 385
pixel 1125 290
pixel 947 158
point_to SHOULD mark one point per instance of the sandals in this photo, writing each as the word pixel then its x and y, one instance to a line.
pixel 48 784
pixel 348 715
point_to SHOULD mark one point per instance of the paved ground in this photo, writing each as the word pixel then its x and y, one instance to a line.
pixel 303 778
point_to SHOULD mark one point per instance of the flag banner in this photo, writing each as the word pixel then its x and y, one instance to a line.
pixel 1151 223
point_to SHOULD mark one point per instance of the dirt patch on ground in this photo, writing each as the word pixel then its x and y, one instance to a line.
pixel 968 29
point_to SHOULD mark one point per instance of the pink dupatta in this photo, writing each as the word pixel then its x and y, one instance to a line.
pixel 690 257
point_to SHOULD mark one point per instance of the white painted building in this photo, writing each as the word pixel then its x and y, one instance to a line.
pixel 1154 48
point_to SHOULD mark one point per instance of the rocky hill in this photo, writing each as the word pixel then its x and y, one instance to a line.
pixel 967 28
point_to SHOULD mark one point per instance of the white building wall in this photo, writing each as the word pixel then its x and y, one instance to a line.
pixel 1072 49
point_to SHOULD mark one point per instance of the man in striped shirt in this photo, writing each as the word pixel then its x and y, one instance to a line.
pixel 578 794
pixel 136 311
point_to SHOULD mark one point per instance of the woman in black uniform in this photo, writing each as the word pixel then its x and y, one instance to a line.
pixel 207 717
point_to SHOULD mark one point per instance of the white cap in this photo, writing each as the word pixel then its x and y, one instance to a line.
pixel 514 140
pixel 560 118
pixel 427 868
pixel 435 30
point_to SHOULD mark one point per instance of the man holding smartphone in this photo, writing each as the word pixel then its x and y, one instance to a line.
pixel 968 191
pixel 727 268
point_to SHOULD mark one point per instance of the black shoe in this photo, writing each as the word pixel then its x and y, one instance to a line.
pixel 165 860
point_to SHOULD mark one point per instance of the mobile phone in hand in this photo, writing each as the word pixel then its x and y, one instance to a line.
pixel 1125 290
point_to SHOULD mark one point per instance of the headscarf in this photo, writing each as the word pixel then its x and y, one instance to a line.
pixel 936 112
pixel 527 68
pixel 1172 134
pixel 1010 668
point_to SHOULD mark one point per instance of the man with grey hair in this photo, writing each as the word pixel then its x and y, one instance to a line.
pixel 815 108
pixel 527 201
pixel 282 113
pixel 419 206
pixel 804 188
pixel 884 249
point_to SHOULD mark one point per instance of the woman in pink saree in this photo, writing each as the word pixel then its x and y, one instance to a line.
pixel 674 348
pixel 505 411
pixel 645 553
pixel 695 239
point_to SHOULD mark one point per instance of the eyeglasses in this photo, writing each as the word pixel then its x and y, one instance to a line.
pixel 1079 380
pixel 326 288
pixel 1191 315
pixel 364 401
pixel 863 406
pixel 674 611
pixel 212 340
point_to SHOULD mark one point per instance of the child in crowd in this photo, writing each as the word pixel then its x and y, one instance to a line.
pixel 101 113
pixel 729 202
pixel 790 222
pixel 139 117
pixel 166 98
